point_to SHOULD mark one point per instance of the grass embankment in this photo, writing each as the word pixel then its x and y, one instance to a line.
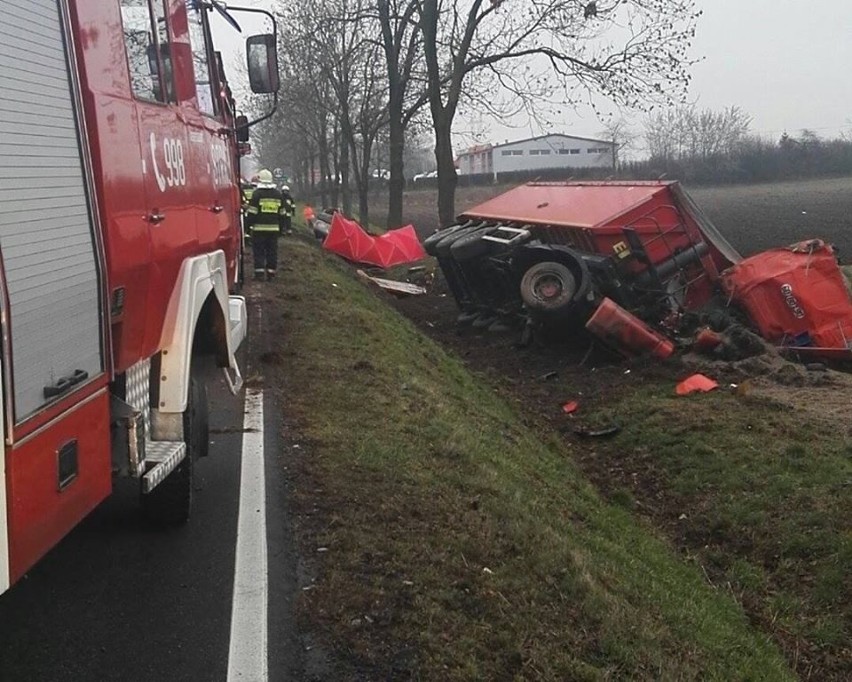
pixel 459 545
pixel 757 491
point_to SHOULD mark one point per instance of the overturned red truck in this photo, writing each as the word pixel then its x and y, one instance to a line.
pixel 635 263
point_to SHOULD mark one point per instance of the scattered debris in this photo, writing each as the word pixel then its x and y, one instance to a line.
pixel 697 383
pixel 626 333
pixel 395 287
pixel 570 407
pixel 602 432
pixel 548 376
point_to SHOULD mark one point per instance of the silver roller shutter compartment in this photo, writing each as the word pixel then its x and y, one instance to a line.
pixel 46 232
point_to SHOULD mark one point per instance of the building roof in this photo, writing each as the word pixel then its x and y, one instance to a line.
pixel 485 147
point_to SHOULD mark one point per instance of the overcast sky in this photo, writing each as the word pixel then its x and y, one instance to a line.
pixel 788 63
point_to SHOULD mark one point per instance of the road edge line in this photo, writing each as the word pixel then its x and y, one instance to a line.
pixel 248 649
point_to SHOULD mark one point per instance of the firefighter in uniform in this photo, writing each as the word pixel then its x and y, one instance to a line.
pixel 247 190
pixel 289 208
pixel 265 218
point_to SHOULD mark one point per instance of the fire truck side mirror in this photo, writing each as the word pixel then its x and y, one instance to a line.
pixel 262 59
pixel 241 124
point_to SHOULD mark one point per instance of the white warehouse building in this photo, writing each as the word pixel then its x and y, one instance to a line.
pixel 545 152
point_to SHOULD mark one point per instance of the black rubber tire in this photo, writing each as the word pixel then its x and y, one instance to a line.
pixel 432 240
pixel 199 417
pixel 170 503
pixel 472 245
pixel 560 283
pixel 450 237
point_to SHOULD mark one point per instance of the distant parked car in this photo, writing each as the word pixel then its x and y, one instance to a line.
pixel 425 176
pixel 322 222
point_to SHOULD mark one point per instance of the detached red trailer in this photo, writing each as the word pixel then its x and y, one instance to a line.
pixel 119 252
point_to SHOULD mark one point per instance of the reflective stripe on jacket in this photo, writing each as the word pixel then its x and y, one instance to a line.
pixel 264 210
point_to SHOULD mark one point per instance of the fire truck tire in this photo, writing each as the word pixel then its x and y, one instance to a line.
pixel 200 418
pixel 169 504
pixel 548 288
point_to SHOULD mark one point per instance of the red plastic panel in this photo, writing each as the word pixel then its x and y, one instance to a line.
pixel 40 514
pixel 571 204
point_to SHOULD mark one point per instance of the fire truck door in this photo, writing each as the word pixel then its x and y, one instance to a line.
pixel 212 172
pixel 47 237
pixel 166 158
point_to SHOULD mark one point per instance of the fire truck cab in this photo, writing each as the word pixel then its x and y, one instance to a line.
pixel 120 249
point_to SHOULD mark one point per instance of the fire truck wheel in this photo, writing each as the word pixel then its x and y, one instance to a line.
pixel 170 502
pixel 548 287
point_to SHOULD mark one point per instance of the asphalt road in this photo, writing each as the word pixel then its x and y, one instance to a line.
pixel 118 600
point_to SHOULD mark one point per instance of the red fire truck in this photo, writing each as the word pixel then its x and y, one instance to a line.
pixel 119 252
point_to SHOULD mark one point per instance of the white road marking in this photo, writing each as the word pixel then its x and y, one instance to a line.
pixel 247 655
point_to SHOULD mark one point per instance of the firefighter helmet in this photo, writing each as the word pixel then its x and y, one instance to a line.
pixel 265 177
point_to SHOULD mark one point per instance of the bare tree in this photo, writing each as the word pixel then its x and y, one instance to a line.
pixel 621 136
pixel 632 51
pixel 370 116
pixel 335 94
pixel 402 45
pixel 685 133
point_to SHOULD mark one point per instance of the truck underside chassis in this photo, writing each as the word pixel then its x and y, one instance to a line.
pixel 641 251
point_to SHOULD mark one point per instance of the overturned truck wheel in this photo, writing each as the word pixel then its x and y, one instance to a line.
pixel 548 288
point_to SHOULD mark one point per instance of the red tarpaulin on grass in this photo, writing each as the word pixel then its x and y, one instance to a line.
pixel 795 295
pixel 348 239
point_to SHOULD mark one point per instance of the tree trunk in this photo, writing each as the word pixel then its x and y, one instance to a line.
pixel 396 166
pixel 447 176
pixel 334 177
pixel 364 203
pixel 343 169
pixel 323 167
pixel 361 168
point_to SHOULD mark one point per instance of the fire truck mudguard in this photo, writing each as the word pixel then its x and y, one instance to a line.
pixel 202 282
